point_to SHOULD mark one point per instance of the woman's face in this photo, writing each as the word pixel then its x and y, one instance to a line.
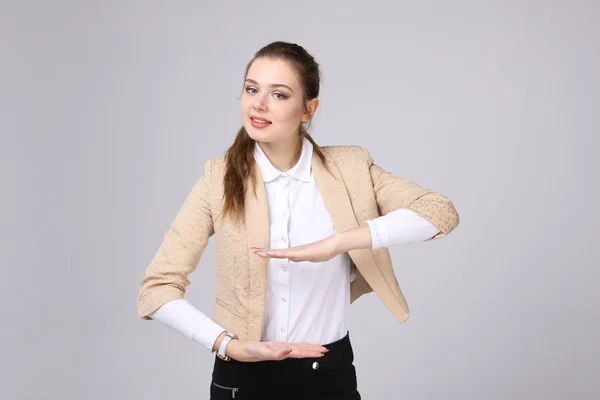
pixel 272 102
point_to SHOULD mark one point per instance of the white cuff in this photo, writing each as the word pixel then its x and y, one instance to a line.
pixel 400 227
pixel 374 236
pixel 186 319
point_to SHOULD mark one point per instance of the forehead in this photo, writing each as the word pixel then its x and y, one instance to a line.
pixel 268 71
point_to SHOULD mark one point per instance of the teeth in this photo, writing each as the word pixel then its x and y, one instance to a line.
pixel 260 121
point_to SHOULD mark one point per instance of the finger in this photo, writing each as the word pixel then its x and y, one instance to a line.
pixel 277 253
pixel 276 354
pixel 272 253
pixel 296 353
pixel 276 343
pixel 262 254
pixel 310 347
pixel 303 349
pixel 308 352
pixel 284 352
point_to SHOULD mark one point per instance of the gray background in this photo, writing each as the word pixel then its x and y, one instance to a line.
pixel 108 111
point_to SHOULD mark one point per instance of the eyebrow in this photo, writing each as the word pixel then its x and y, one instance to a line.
pixel 273 85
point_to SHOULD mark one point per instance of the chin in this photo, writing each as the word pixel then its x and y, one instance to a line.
pixel 257 134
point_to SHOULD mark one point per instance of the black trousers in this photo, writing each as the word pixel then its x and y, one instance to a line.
pixel 330 377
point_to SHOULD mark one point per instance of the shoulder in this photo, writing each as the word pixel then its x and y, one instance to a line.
pixel 352 155
pixel 215 166
pixel 347 154
pixel 214 171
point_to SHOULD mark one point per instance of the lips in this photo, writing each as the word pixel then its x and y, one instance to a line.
pixel 260 120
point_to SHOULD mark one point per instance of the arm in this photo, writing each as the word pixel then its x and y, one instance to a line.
pixel 166 277
pixel 162 289
pixel 393 193
pixel 408 213
pixel 398 227
pixel 192 323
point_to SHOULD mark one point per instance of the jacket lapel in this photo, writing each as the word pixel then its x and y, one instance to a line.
pixel 333 190
pixel 257 229
pixel 337 201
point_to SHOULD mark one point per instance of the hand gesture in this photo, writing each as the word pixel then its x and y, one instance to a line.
pixel 263 351
pixel 319 251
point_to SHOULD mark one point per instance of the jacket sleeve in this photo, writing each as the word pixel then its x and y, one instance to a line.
pixel 393 192
pixel 183 244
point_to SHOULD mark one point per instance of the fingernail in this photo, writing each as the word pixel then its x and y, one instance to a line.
pixel 266 251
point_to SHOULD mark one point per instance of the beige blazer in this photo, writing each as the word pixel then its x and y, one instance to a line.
pixel 354 191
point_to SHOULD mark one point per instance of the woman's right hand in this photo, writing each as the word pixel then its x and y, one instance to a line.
pixel 263 351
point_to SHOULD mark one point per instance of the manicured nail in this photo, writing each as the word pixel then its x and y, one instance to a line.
pixel 266 251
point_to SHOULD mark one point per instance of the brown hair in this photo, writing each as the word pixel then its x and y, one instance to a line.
pixel 239 157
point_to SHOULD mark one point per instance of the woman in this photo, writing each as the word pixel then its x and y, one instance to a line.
pixel 301 232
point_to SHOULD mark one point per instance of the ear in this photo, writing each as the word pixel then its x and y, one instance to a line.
pixel 311 107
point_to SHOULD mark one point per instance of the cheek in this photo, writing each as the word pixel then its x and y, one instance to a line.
pixel 287 113
pixel 245 105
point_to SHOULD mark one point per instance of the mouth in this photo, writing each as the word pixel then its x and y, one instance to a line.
pixel 260 120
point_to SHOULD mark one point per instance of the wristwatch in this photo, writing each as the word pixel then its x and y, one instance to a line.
pixel 223 346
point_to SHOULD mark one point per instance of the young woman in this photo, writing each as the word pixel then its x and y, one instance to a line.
pixel 301 232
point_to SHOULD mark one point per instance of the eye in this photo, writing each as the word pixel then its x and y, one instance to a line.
pixel 280 96
pixel 249 89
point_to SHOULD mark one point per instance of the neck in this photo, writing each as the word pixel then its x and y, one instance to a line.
pixel 283 154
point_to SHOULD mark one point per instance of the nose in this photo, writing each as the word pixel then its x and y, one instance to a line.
pixel 260 103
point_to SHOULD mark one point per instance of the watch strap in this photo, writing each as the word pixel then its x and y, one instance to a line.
pixel 223 346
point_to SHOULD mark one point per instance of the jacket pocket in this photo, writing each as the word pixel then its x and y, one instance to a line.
pixel 228 308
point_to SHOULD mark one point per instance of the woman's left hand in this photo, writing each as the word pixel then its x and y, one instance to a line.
pixel 322 250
